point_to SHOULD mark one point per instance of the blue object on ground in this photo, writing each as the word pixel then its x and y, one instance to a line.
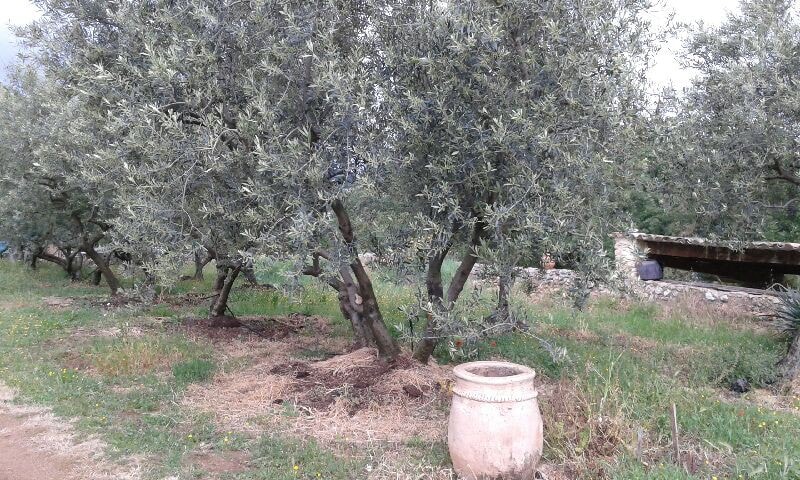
pixel 3 247
pixel 651 270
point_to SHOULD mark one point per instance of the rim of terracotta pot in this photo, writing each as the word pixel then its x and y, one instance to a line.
pixel 494 373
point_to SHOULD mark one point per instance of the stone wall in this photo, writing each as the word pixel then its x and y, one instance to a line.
pixel 539 278
pixel 744 301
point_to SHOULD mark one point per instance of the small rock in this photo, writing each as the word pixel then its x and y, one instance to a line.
pixel 723 299
pixel 277 401
pixel 740 386
pixel 412 391
pixel 710 297
pixel 368 258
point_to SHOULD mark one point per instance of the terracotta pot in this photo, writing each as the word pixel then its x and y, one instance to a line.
pixel 495 428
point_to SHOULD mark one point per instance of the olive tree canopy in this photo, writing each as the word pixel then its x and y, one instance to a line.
pixel 508 124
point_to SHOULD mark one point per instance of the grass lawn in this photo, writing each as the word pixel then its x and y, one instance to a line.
pixel 146 387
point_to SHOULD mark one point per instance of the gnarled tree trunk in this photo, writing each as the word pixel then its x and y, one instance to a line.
pixel 349 301
pixel 103 268
pixel 43 255
pixel 352 307
pixel 226 276
pixel 427 344
pixel 200 262
pixel 370 310
pixel 71 266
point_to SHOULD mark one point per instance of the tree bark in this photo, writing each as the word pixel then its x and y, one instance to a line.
pixel 219 306
pixel 428 343
pixel 219 281
pixel 104 268
pixel 789 367
pixel 467 264
pixel 349 301
pixel 435 288
pixel 42 255
pixel 387 347
pixel 200 262
pixel 70 269
pixel 502 312
pixel 353 311
pixel 69 265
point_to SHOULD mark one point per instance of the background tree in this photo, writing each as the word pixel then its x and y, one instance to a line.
pixel 737 128
pixel 46 134
pixel 736 163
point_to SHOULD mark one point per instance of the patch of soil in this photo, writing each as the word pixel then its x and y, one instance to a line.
pixel 36 445
pixel 18 462
pixel 115 302
pixel 318 385
pixel 269 328
pixel 187 299
pixel 220 462
pixel 356 397
pixel 58 303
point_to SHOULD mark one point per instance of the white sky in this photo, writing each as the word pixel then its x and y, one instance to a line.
pixel 16 12
pixel 666 71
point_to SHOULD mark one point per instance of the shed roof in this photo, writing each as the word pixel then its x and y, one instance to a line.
pixel 704 242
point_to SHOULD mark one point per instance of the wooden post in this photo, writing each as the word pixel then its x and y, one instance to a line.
pixel 675 443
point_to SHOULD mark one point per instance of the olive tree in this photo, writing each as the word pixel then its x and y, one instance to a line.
pixel 739 127
pixel 231 126
pixel 46 133
pixel 508 124
pixel 316 150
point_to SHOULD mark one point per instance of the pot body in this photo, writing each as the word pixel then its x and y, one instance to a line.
pixel 495 428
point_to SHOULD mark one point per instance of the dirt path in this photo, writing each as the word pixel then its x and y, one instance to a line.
pixel 37 445
pixel 20 461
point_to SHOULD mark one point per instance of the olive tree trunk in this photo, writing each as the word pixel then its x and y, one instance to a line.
pixel 351 305
pixel 439 300
pixel 226 276
pixel 200 262
pixel 370 310
pixel 103 268
pixel 350 302
pixel 42 255
pixel 502 312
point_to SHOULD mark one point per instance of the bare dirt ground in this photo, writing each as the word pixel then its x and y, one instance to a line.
pixel 37 445
pixel 19 461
